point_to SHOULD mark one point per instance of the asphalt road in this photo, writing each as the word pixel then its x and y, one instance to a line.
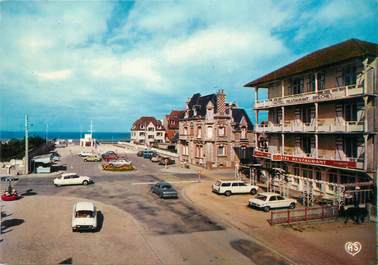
pixel 173 227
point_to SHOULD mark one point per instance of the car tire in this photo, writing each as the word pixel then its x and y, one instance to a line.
pixel 292 205
pixel 85 182
pixel 228 193
pixel 266 209
pixel 56 185
pixel 253 191
pixel 73 229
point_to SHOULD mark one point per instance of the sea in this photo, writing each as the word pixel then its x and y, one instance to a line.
pixel 99 136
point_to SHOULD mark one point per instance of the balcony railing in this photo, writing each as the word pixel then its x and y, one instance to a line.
pixel 346 126
pixel 309 97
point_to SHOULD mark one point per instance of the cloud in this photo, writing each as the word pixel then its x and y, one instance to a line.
pixel 92 60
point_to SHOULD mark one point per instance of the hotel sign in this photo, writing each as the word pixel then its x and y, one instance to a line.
pixel 315 161
pixel 292 100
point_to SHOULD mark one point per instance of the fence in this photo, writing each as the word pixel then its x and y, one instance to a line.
pixel 302 214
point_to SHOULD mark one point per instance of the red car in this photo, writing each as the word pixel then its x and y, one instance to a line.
pixel 110 157
pixel 9 197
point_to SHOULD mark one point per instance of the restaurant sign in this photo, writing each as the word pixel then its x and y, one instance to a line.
pixel 262 154
pixel 300 99
pixel 315 161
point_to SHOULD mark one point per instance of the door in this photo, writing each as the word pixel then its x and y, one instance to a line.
pixel 273 202
pixel 235 187
pixel 66 180
pixel 281 202
pixel 75 180
pixel 243 187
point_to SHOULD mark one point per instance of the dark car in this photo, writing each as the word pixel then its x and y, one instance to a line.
pixel 140 153
pixel 164 190
pixel 166 161
pixel 148 154
pixel 9 178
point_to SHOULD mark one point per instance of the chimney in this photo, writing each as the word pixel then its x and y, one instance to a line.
pixel 221 102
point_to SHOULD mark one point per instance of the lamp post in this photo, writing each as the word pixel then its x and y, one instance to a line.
pixel 26 145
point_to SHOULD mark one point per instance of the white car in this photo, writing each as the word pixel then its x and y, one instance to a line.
pixel 84 154
pixel 270 200
pixel 84 216
pixel 72 179
pixel 120 162
pixel 229 187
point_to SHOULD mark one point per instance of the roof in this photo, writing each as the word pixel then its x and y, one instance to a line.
pixel 199 103
pixel 68 174
pixel 268 193
pixel 173 118
pixel 145 120
pixel 238 114
pixel 85 206
pixel 340 52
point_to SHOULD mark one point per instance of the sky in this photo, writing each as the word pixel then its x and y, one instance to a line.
pixel 65 63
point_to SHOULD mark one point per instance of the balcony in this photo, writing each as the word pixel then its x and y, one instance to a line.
pixel 293 126
pixel 346 126
pixel 311 97
pixel 270 127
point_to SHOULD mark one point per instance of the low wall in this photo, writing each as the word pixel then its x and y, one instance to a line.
pixel 142 147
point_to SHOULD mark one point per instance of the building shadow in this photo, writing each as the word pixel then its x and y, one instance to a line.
pixel 56 168
pixel 6 224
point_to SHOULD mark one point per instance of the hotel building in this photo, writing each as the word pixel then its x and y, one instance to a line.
pixel 147 131
pixel 322 119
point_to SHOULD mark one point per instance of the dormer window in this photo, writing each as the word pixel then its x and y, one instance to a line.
pixel 243 134
pixel 142 126
pixel 221 131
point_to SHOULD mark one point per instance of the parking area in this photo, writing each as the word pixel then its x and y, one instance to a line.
pixel 170 231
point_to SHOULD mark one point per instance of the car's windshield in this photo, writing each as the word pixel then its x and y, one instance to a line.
pixel 166 187
pixel 84 214
pixel 261 197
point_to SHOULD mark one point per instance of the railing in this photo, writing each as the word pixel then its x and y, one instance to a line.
pixel 322 95
pixel 302 214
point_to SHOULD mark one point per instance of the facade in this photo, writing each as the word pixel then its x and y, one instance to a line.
pixel 171 125
pixel 322 119
pixel 213 133
pixel 147 130
pixel 88 140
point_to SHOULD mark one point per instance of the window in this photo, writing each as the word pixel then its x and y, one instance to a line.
pixel 221 151
pixel 243 152
pixel 296 171
pixel 349 75
pixel 350 147
pixel 199 132
pixel 332 178
pixel 347 179
pixel 150 137
pixel 273 198
pixel 306 114
pixel 185 130
pixel 235 184
pixel 243 134
pixel 350 112
pixel 321 80
pixel 67 177
pixel 226 184
pixel 209 132
pixel 142 126
pixel 306 144
pixel 280 198
pixel 75 177
pixel 151 129
pixel 221 131
pixel 310 85
pixel 297 86
pixel 141 134
pixel 307 173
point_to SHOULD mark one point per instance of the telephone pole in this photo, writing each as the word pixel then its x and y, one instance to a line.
pixel 26 145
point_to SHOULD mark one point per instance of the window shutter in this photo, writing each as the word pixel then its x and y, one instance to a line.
pixel 339 148
pixel 297 144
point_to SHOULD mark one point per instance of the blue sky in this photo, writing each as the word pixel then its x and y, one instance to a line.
pixel 65 63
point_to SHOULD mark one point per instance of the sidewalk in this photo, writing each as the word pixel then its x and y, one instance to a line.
pixel 305 243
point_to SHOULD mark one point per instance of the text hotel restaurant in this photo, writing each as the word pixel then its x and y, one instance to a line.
pixel 322 119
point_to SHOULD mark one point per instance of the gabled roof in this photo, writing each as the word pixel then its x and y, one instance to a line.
pixel 199 103
pixel 340 52
pixel 175 116
pixel 144 121
pixel 238 114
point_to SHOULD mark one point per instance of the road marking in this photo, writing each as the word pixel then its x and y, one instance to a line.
pixel 154 182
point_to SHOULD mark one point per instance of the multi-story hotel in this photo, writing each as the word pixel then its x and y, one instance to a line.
pixel 213 133
pixel 171 125
pixel 322 119
pixel 147 130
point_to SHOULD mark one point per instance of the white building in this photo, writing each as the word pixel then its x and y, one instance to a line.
pixel 147 130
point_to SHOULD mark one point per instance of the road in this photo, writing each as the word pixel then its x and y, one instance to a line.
pixel 174 230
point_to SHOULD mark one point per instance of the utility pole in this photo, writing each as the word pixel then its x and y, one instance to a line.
pixel 26 145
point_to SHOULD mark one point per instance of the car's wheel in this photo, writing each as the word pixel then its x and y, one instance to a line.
pixel 253 191
pixel 85 182
pixel 228 193
pixel 292 205
pixel 73 229
pixel 266 209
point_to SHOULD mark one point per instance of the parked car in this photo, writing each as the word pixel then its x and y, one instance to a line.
pixel 164 190
pixel 72 179
pixel 93 158
pixel 9 178
pixel 84 154
pixel 148 154
pixel 107 153
pixel 110 157
pixel 119 162
pixel 55 157
pixel 270 200
pixel 84 216
pixel 229 187
pixel 140 153
pixel 156 158
pixel 166 161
